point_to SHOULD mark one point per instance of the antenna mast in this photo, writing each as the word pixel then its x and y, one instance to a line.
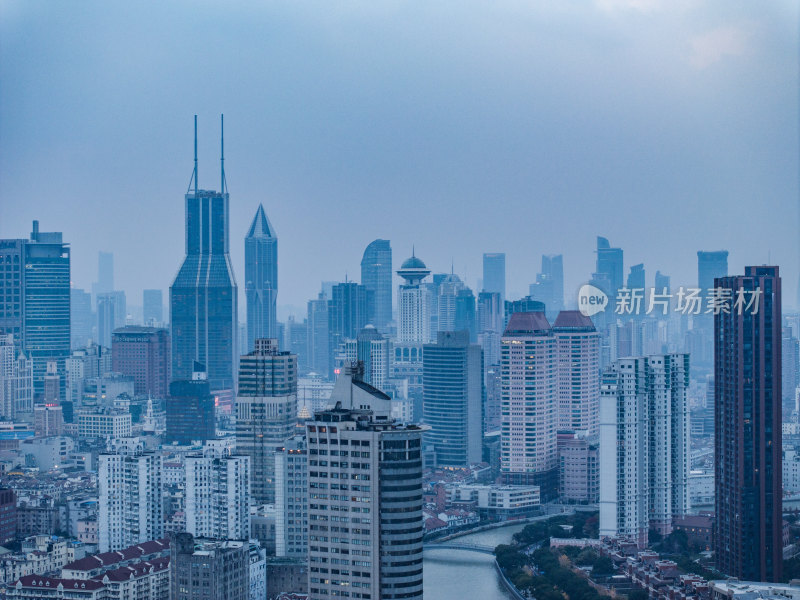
pixel 194 173
pixel 223 184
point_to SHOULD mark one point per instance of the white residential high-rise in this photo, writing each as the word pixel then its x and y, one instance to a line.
pixel 16 380
pixel 414 303
pixel 83 365
pixel 446 302
pixel 291 499
pixel 578 347
pixel 365 498
pixel 218 495
pixel 644 446
pixel 529 375
pixel 131 495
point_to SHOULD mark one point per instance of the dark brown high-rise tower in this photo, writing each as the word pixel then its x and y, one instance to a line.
pixel 747 368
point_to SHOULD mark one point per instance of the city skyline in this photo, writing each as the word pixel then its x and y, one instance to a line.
pixel 528 301
pixel 648 152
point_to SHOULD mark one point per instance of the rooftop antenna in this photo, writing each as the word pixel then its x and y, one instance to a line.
pixel 194 173
pixel 223 184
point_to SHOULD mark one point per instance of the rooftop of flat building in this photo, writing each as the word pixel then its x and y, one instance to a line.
pixel 137 330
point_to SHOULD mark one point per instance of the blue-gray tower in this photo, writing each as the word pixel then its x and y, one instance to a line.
pixel 203 297
pixel 261 279
pixel 376 275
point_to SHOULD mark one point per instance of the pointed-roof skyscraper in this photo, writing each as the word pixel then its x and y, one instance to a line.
pixel 203 297
pixel 261 278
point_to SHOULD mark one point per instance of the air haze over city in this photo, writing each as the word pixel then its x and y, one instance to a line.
pixel 377 300
pixel 514 128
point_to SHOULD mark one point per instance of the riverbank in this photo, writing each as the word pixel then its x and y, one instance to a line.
pixel 454 574
pixel 499 525
pixel 512 589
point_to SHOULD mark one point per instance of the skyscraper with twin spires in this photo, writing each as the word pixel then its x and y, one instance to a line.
pixel 203 297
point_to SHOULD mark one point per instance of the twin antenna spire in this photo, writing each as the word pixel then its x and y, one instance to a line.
pixel 223 184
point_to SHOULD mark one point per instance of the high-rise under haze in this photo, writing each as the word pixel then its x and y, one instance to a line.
pixel 143 353
pixel 609 264
pixel 203 297
pixel 261 278
pixel 414 302
pixel 494 273
pixel 81 319
pixel 644 446
pixel 376 275
pixel 131 507
pixel 549 286
pixel 317 336
pixel 710 266
pixel 266 412
pixel 36 307
pixel 366 542
pixel 578 348
pixel 350 309
pixel 105 274
pixel 190 410
pixel 529 433
pixel 452 404
pixel 748 524
pixel 152 307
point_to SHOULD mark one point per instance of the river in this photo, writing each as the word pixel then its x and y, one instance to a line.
pixel 459 574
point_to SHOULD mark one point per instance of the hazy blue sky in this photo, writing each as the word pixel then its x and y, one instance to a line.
pixel 459 127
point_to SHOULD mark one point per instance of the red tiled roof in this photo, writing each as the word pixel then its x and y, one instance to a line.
pixel 38 581
pixel 136 570
pixel 434 523
pixel 96 561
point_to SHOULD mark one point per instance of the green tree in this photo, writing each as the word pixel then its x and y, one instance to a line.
pixel 603 566
pixel 638 595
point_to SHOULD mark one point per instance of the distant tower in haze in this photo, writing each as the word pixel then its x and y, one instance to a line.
pixel 711 265
pixel 376 275
pixel 662 282
pixel 317 335
pixel 549 286
pixel 609 265
pixel 203 297
pixel 261 278
pixel 106 317
pixel 105 274
pixel 349 310
pixel 414 303
pixel 636 278
pixel 152 307
pixel 494 273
